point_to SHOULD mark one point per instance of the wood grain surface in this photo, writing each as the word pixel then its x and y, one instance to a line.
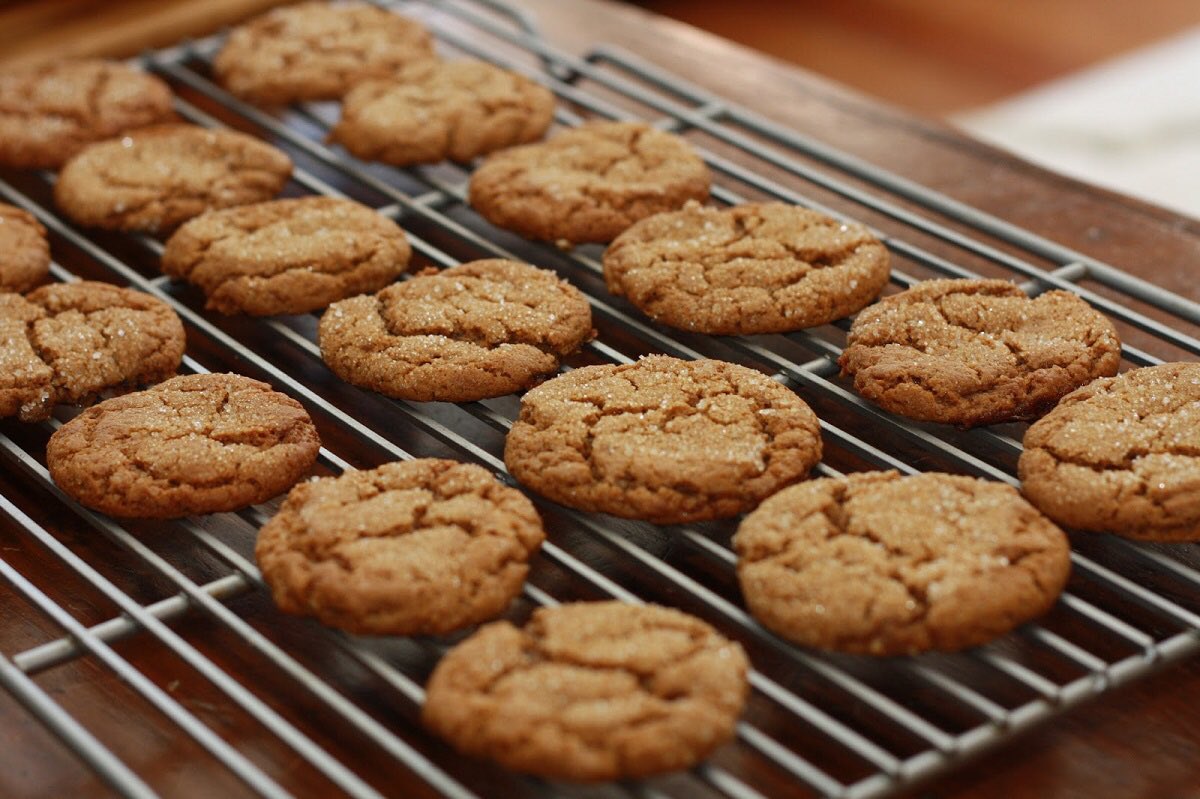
pixel 1139 740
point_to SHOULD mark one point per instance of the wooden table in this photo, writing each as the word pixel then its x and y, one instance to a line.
pixel 1140 740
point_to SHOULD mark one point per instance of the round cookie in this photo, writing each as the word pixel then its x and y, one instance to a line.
pixel 588 183
pixel 418 548
pixel 756 268
pixel 66 343
pixel 482 329
pixel 434 110
pixel 24 251
pixel 590 691
pixel 662 439
pixel 159 177
pixel 203 443
pixel 50 111
pixel 317 51
pixel 287 256
pixel 881 564
pixel 975 352
pixel 1121 455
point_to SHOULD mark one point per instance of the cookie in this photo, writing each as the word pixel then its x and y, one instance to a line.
pixel 157 178
pixel 317 51
pixel 51 111
pixel 880 564
pixel 24 251
pixel 202 443
pixel 67 343
pixel 1121 455
pixel 434 110
pixel 287 256
pixel 482 329
pixel 588 183
pixel 756 268
pixel 975 352
pixel 418 548
pixel 662 439
pixel 590 691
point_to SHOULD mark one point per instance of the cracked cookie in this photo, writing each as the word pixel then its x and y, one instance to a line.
pixel 482 329
pixel 24 251
pixel 51 111
pixel 287 256
pixel 434 110
pixel 203 443
pixel 1121 455
pixel 755 268
pixel 588 183
pixel 661 439
pixel 159 177
pixel 881 564
pixel 317 51
pixel 424 547
pixel 975 352
pixel 590 691
pixel 67 343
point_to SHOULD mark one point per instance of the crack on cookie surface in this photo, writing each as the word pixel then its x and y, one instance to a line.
pixel 1121 455
pixel 482 329
pixel 882 564
pixel 662 439
pixel 590 691
pixel 418 548
pixel 755 268
pixel 973 352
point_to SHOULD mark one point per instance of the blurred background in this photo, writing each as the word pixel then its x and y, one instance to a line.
pixel 1104 90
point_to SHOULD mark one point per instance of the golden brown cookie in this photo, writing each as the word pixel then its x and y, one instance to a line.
pixel 434 110
pixel 24 251
pixel 202 443
pixel 662 439
pixel 418 548
pixel 590 691
pixel 67 343
pixel 1121 455
pixel 317 51
pixel 881 564
pixel 588 183
pixel 287 256
pixel 51 111
pixel 755 268
pixel 159 177
pixel 482 329
pixel 974 352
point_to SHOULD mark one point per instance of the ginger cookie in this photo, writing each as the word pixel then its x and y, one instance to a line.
pixel 287 256
pixel 482 329
pixel 51 111
pixel 588 183
pixel 203 443
pixel 881 564
pixel 756 268
pixel 434 110
pixel 975 352
pixel 1121 455
pixel 67 343
pixel 24 251
pixel 418 548
pixel 317 51
pixel 157 178
pixel 662 439
pixel 590 691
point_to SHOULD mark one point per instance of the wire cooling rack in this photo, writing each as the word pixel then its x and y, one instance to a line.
pixel 277 706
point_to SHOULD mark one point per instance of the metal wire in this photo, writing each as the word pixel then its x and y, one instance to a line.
pixel 794 682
